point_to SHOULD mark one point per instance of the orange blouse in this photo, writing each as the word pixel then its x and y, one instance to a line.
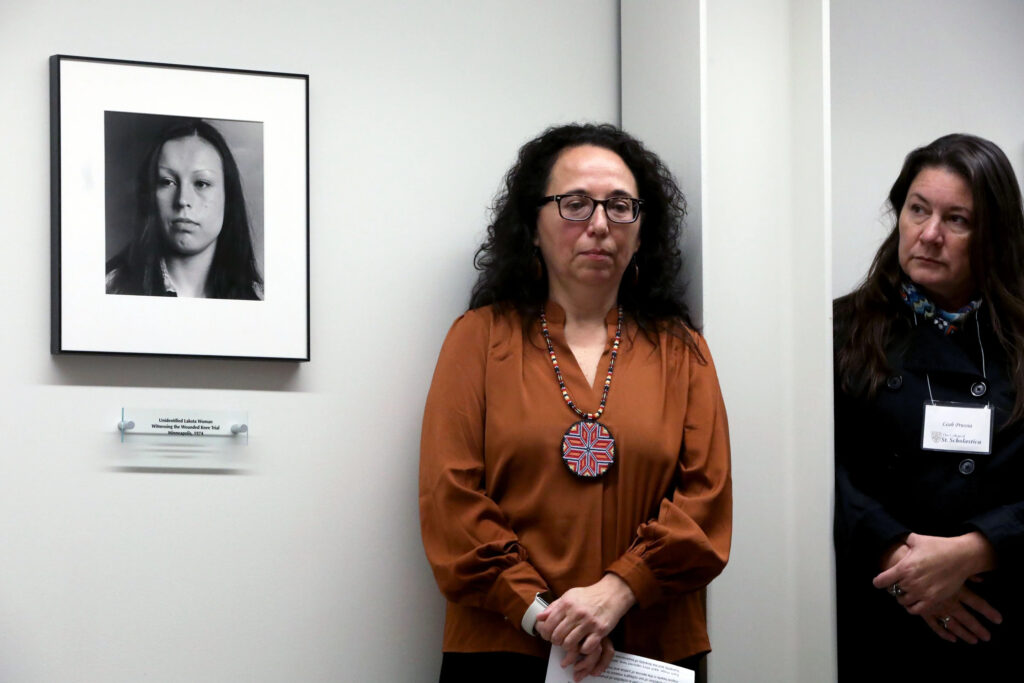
pixel 504 518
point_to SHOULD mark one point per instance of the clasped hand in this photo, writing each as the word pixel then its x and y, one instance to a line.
pixel 581 620
pixel 932 573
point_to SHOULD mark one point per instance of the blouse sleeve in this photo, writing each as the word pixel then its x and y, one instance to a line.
pixel 476 557
pixel 687 544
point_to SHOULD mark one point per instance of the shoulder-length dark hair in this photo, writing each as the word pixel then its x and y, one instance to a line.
pixel 233 272
pixel 996 252
pixel 507 259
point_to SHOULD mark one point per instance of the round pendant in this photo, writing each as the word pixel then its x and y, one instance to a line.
pixel 588 448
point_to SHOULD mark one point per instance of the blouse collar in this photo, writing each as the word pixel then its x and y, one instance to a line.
pixel 555 314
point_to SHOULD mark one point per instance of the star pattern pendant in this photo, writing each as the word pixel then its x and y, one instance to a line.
pixel 588 448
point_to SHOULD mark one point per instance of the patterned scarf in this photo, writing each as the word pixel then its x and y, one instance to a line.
pixel 923 306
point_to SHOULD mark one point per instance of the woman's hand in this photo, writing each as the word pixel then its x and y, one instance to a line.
pixel 935 568
pixel 581 619
pixel 593 664
pixel 896 552
pixel 952 620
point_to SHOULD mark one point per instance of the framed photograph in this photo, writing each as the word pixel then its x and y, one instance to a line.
pixel 179 210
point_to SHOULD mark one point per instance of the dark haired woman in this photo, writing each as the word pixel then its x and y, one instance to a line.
pixel 574 475
pixel 929 438
pixel 194 238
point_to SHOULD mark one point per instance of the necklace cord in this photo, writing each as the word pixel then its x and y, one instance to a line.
pixel 590 417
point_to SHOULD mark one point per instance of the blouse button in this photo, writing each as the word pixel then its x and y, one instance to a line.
pixel 894 382
pixel 966 466
pixel 978 389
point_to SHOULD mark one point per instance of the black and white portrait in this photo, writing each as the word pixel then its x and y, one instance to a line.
pixel 184 206
pixel 179 225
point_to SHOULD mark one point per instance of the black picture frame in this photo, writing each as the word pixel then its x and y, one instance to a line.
pixel 125 235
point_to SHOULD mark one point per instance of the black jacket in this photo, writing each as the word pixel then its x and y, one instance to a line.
pixel 888 486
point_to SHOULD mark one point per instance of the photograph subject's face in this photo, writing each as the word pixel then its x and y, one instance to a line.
pixel 190 194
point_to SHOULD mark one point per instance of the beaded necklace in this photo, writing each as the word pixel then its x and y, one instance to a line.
pixel 588 448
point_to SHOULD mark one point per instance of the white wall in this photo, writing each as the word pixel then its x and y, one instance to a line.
pixel 310 568
pixel 903 74
pixel 766 307
pixel 661 76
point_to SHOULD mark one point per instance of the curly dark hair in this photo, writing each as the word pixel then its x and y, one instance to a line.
pixel 996 252
pixel 233 273
pixel 507 261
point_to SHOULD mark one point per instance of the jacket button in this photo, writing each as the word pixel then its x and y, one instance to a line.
pixel 978 389
pixel 966 466
pixel 894 382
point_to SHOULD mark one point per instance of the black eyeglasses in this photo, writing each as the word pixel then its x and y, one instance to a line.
pixel 580 207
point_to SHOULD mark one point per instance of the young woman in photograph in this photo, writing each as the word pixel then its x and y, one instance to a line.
pixel 193 237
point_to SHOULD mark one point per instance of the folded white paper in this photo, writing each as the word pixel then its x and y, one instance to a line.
pixel 624 668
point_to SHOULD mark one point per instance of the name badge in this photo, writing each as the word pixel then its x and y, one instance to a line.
pixel 957 428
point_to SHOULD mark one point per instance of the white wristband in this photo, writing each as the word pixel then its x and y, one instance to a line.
pixel 538 605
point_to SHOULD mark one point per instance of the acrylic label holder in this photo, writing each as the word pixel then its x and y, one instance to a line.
pixel 182 440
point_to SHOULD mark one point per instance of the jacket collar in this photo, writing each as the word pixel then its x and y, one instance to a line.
pixel 931 351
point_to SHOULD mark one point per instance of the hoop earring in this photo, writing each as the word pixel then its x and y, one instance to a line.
pixel 538 264
pixel 636 272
